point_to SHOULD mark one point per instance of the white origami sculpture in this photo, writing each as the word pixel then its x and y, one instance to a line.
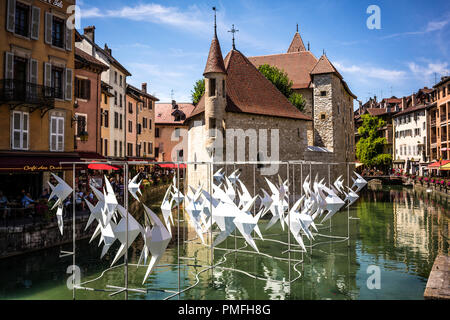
pixel 360 183
pixel 166 209
pixel 120 232
pixel 159 238
pixel 219 176
pixel 234 177
pixel 61 191
pixel 246 223
pixel 110 203
pixel 59 217
pixel 294 223
pixel 134 187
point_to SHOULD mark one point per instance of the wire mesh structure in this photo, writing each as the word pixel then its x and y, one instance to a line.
pixel 293 181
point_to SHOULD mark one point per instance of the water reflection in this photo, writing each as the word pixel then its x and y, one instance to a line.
pixel 399 230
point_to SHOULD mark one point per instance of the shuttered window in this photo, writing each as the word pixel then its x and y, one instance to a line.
pixel 48 27
pixel 20 130
pixel 35 22
pixel 22 17
pixel 9 65
pixel 10 15
pixel 56 133
pixel 69 84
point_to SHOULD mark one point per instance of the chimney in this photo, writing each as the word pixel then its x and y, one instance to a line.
pixel 174 104
pixel 107 49
pixel 403 103
pixel 144 87
pixel 89 33
pixel 413 100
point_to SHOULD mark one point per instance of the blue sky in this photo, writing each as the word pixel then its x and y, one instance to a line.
pixel 166 43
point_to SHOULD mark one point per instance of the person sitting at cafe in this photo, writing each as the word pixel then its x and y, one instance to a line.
pixel 45 194
pixel 3 205
pixel 27 202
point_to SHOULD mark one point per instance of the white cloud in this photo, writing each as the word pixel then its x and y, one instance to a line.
pixel 429 69
pixel 431 27
pixel 371 72
pixel 191 18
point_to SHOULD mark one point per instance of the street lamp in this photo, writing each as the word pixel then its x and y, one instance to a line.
pixel 83 135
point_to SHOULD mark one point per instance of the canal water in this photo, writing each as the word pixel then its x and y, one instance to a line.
pixel 395 231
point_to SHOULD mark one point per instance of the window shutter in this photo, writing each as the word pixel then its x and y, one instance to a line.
pixel 69 33
pixel 35 23
pixel 11 16
pixel 9 65
pixel 33 71
pixel 87 91
pixel 47 74
pixel 48 27
pixel 69 80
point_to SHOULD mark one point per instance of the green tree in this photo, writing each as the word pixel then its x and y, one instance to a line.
pixel 297 100
pixel 369 149
pixel 280 79
pixel 199 90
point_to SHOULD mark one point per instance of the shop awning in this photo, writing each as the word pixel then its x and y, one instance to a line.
pixel 172 166
pixel 101 166
pixel 438 164
pixel 445 167
pixel 36 162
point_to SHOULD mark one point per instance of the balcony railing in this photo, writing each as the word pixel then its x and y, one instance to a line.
pixel 16 92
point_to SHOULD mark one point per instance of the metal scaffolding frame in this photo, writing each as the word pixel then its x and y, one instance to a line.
pixel 291 247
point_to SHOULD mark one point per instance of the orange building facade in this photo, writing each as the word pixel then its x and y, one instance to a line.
pixel 36 91
pixel 171 132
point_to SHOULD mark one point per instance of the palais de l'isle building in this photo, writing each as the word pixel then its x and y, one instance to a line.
pixel 237 96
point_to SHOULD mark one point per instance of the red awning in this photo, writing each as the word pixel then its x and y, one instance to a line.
pixel 437 164
pixel 173 166
pixel 101 166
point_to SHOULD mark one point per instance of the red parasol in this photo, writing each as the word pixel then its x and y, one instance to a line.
pixel 101 166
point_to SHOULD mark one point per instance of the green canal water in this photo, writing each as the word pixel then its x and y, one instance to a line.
pixel 397 230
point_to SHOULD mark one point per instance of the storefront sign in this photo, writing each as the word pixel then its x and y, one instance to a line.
pixel 42 168
pixel 56 3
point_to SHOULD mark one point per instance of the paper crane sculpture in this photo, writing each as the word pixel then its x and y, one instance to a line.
pixel 120 232
pixel 134 187
pixel 61 191
pixel 360 183
pixel 159 238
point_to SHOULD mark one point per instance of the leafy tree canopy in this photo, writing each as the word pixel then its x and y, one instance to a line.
pixel 280 79
pixel 369 149
pixel 198 91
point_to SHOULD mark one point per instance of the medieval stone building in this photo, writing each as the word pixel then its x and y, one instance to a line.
pixel 239 102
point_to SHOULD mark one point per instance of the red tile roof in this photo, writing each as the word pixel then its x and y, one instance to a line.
pixel 376 111
pixel 297 65
pixel 163 112
pixel 215 58
pixel 411 109
pixel 296 44
pixel 84 57
pixel 324 66
pixel 248 91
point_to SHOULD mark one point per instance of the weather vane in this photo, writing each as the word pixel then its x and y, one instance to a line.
pixel 215 20
pixel 233 31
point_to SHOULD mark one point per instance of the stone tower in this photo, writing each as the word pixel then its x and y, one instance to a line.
pixel 215 94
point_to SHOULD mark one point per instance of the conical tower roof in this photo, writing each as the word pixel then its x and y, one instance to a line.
pixel 215 58
pixel 324 66
pixel 296 44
